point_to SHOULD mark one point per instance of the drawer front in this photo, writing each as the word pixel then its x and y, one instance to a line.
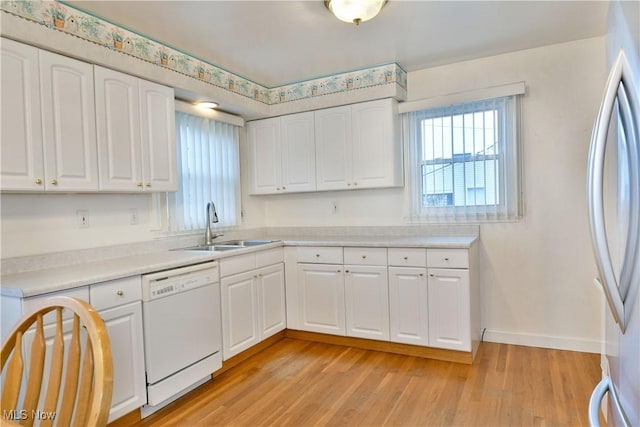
pixel 408 257
pixel 33 302
pixel 237 264
pixel 269 257
pixel 448 258
pixel 115 292
pixel 365 256
pixel 320 255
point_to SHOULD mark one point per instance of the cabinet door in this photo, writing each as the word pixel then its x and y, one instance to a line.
pixel 408 305
pixel 333 148
pixel 21 148
pixel 265 158
pixel 239 313
pixel 298 152
pixel 367 301
pixel 124 324
pixel 272 300
pixel 118 126
pixel 321 298
pixel 68 123
pixel 157 109
pixel 449 309
pixel 377 155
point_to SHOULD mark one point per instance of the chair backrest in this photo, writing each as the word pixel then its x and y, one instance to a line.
pixel 88 369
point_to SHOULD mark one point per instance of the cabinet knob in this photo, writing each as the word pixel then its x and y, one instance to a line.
pixel 431 275
pixel 355 183
pixel 446 258
pixel 339 271
pixel 139 184
pixel 348 184
pixel 148 184
pixel 278 189
pixel 54 182
pixel 421 274
pixel 364 257
pixel 346 271
pixel 38 181
pixel 284 188
pixel 406 258
pixel 120 293
pixel 317 255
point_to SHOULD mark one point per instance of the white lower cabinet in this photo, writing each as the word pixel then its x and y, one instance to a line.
pixel 124 324
pixel 449 309
pixel 253 299
pixel 408 305
pixel 367 301
pixel 239 313
pixel 321 298
pixel 119 303
pixel 272 300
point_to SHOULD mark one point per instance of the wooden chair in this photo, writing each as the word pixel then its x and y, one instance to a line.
pixel 86 394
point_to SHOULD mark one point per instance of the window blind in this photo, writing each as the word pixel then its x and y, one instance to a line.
pixel 464 161
pixel 208 169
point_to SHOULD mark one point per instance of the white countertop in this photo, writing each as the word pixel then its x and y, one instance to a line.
pixel 32 283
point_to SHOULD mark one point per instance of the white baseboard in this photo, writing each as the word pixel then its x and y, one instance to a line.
pixel 544 341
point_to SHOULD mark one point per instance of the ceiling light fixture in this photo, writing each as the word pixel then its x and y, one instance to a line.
pixel 207 104
pixel 354 11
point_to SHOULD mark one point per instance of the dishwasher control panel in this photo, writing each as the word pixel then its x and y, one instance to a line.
pixel 170 282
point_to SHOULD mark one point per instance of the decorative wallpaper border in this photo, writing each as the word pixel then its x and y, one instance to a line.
pixel 60 17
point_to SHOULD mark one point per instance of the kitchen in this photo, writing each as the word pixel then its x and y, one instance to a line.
pixel 535 273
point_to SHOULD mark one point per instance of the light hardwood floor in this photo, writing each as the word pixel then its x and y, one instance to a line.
pixel 300 383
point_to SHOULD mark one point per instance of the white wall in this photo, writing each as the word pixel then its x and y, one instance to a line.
pixel 536 274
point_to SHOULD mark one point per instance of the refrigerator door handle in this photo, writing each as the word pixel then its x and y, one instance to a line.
pixel 604 386
pixel 628 104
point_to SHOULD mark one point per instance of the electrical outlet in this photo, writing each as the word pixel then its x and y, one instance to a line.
pixel 133 216
pixel 82 216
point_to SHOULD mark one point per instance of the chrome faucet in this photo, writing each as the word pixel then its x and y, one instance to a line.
pixel 208 234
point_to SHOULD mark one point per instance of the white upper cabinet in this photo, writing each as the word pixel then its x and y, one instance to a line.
pixel 136 133
pixel 68 123
pixel 282 154
pixel 118 124
pixel 48 116
pixel 265 160
pixel 377 148
pixel 359 146
pixel 22 165
pixel 298 152
pixel 333 148
pixel 157 109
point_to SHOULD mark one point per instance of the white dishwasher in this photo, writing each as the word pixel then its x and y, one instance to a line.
pixel 182 330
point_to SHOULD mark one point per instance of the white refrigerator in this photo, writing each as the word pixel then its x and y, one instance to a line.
pixel 614 217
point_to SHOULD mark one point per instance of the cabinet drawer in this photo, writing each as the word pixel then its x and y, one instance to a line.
pixel 320 255
pixel 269 257
pixel 408 257
pixel 33 302
pixel 237 264
pixel 365 256
pixel 115 292
pixel 448 258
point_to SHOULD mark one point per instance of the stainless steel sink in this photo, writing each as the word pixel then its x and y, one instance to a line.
pixel 245 243
pixel 228 245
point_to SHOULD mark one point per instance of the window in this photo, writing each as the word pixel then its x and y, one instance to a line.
pixel 208 169
pixel 463 161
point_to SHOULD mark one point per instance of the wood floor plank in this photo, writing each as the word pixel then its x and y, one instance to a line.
pixel 304 383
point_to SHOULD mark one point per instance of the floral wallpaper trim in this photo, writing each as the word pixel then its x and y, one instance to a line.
pixel 60 17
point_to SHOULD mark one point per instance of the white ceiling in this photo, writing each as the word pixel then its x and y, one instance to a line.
pixel 279 42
